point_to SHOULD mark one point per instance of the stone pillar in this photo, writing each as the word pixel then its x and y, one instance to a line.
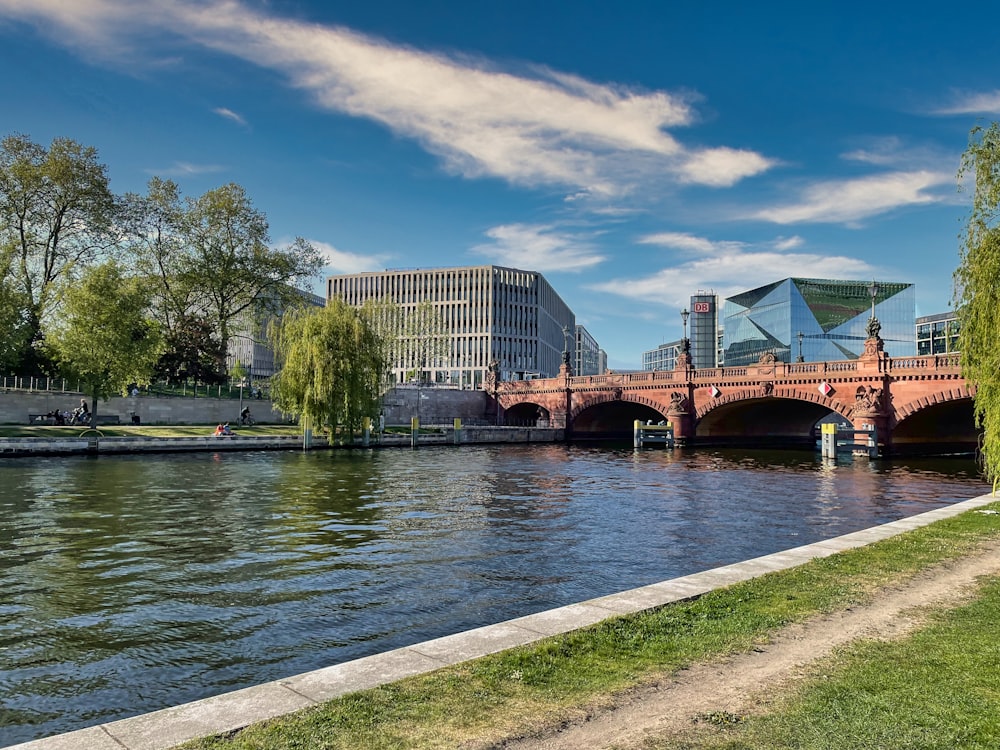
pixel 679 415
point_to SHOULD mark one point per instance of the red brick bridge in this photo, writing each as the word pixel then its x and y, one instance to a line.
pixel 917 404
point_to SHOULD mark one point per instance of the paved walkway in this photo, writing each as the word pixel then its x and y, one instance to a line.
pixel 171 726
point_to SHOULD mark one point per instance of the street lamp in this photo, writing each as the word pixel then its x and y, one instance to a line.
pixel 685 344
pixel 801 336
pixel 566 345
pixel 874 327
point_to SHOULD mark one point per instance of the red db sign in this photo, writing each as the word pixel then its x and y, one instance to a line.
pixel 701 307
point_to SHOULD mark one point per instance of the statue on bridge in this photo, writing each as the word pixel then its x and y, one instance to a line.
pixel 868 399
pixel 874 327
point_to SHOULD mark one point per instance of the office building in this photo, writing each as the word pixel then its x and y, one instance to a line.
pixel 587 357
pixel 663 357
pixel 704 321
pixel 937 334
pixel 248 345
pixel 831 315
pixel 487 314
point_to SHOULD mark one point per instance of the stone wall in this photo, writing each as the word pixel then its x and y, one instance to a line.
pixel 15 406
pixel 437 406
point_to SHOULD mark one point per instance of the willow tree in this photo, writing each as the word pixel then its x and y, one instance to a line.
pixel 331 365
pixel 977 289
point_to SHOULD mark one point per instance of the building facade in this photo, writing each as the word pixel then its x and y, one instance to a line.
pixel 489 314
pixel 587 358
pixel 663 357
pixel 937 334
pixel 248 344
pixel 704 330
pixel 831 316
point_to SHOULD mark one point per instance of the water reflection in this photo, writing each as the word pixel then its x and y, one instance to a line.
pixel 190 575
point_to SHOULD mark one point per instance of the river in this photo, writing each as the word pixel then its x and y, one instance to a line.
pixel 132 583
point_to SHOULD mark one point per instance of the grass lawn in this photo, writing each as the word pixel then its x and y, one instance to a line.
pixel 43 431
pixel 526 689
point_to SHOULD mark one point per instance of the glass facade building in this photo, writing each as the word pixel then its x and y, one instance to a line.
pixel 704 330
pixel 587 356
pixel 663 357
pixel 937 334
pixel 832 316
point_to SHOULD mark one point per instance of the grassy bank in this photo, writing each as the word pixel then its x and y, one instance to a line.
pixel 525 690
pixel 43 431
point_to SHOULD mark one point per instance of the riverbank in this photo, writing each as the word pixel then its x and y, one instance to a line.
pixel 52 440
pixel 531 676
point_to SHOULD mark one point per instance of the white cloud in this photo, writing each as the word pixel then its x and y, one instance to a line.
pixel 788 243
pixel 972 103
pixel 230 115
pixel 340 262
pixel 539 248
pixel 733 272
pixel 539 128
pixel 689 242
pixel 848 201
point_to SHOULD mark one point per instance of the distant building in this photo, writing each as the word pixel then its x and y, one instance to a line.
pixel 937 334
pixel 704 330
pixel 491 313
pixel 663 357
pixel 832 316
pixel 248 344
pixel 587 356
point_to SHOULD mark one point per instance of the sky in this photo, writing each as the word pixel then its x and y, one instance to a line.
pixel 634 152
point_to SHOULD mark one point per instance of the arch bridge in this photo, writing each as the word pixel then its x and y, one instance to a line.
pixel 918 405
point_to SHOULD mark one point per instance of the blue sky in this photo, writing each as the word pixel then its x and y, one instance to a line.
pixel 633 152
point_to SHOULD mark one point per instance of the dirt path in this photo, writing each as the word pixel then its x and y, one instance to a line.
pixel 737 685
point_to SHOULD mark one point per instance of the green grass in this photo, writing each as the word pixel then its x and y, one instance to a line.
pixel 937 689
pixel 52 431
pixel 529 689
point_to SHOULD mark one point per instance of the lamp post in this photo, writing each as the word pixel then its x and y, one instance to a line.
pixel 566 345
pixel 874 327
pixel 685 344
pixel 801 336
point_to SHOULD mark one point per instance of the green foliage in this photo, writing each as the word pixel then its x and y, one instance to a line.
pixel 104 337
pixel 56 216
pixel 192 352
pixel 331 365
pixel 977 289
pixel 230 263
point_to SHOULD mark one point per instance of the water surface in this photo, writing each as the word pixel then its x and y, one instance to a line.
pixel 132 583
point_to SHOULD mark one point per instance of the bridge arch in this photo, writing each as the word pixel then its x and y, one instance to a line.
pixel 941 422
pixel 613 415
pixel 526 414
pixel 786 417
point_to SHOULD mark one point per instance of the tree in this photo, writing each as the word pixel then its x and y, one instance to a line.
pixel 331 365
pixel 153 226
pixel 229 261
pixel 191 351
pixel 104 336
pixel 56 215
pixel 977 289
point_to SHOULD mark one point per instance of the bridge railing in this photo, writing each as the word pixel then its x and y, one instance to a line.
pixel 719 374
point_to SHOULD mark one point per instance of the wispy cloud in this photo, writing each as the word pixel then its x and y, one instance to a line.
pixel 186 169
pixel 850 201
pixel 688 242
pixel 230 115
pixel 535 127
pixel 541 248
pixel 972 103
pixel 340 262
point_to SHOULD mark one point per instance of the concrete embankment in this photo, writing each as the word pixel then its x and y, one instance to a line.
pixel 231 711
pixel 92 442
